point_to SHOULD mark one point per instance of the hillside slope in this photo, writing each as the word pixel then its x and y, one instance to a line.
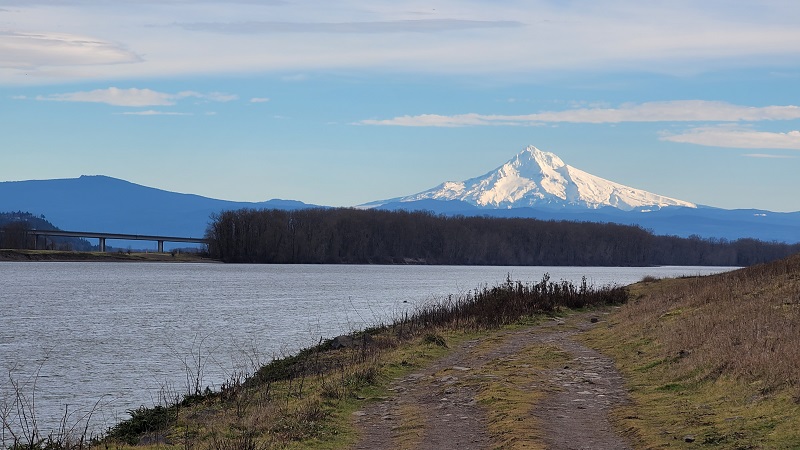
pixel 100 203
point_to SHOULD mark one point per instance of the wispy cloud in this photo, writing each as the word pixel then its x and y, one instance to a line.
pixel 211 96
pixel 736 138
pixel 64 3
pixel 459 120
pixel 134 97
pixel 394 26
pixel 115 96
pixel 477 37
pixel 295 77
pixel 259 100
pixel 151 112
pixel 24 50
pixel 767 156
pixel 671 111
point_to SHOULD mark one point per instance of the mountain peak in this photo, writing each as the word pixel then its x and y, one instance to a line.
pixel 540 157
pixel 536 178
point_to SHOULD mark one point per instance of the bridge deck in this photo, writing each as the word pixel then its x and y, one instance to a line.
pixel 127 237
pixel 122 236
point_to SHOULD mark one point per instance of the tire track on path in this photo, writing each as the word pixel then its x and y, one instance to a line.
pixel 437 407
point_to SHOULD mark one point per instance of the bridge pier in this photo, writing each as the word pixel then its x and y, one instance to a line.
pixel 160 246
pixel 102 244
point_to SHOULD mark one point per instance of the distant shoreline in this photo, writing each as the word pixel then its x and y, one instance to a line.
pixel 13 255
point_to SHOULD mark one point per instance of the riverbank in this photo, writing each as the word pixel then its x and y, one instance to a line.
pixel 310 399
pixel 698 362
pixel 58 255
pixel 693 362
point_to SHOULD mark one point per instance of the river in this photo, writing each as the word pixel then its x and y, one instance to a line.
pixel 104 338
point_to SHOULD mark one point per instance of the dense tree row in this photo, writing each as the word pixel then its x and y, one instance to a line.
pixel 385 237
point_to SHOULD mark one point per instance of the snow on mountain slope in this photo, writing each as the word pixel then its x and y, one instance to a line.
pixel 534 178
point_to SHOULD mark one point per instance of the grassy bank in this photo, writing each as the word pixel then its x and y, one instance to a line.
pixel 712 362
pixel 307 400
pixel 58 255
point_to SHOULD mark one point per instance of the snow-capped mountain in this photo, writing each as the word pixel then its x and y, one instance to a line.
pixel 535 178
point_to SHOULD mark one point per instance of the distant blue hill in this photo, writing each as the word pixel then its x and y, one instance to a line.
pixel 105 204
pixel 705 222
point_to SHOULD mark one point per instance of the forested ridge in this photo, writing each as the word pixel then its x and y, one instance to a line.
pixel 353 236
pixel 14 227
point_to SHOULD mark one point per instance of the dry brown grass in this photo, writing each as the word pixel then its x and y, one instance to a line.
pixel 716 358
pixel 306 402
pixel 743 324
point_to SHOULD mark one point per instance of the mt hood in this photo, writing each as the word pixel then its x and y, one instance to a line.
pixel 534 178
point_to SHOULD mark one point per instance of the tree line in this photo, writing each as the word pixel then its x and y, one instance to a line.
pixel 353 236
pixel 14 233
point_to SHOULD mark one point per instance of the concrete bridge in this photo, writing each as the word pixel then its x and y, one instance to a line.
pixel 103 236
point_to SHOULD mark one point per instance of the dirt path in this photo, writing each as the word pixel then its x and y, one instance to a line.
pixel 437 407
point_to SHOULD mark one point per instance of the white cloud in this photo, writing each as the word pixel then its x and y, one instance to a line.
pixel 259 100
pixel 151 112
pixel 736 138
pixel 106 2
pixel 115 96
pixel 28 50
pixel 393 26
pixel 767 156
pixel 459 120
pixel 671 111
pixel 476 37
pixel 133 97
pixel 212 96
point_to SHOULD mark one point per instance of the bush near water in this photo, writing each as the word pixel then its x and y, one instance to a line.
pixel 299 398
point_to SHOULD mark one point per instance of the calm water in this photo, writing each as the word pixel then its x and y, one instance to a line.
pixel 109 337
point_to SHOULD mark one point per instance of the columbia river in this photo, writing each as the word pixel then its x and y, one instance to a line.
pixel 103 338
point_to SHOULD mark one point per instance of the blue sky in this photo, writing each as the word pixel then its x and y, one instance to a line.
pixel 341 103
